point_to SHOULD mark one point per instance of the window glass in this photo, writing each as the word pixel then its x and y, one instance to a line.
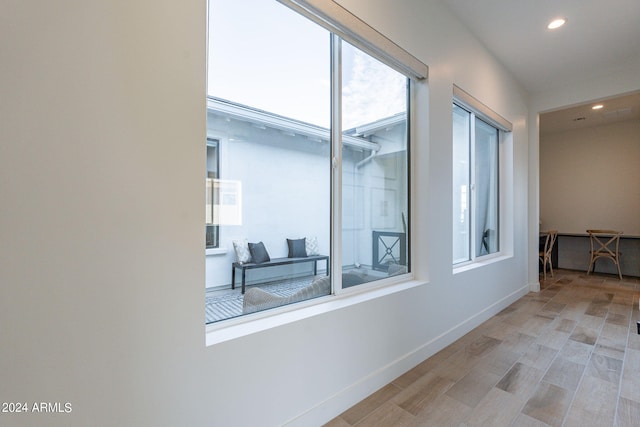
pixel 486 187
pixel 461 185
pixel 268 81
pixel 476 230
pixel 374 169
pixel 265 55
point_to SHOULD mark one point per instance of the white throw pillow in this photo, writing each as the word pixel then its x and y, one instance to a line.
pixel 311 246
pixel 241 247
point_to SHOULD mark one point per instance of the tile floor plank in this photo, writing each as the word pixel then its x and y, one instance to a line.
pixel 628 413
pixel 521 380
pixel 612 340
pixel 605 368
pixel 538 356
pixel 630 386
pixel 387 415
pixel 594 404
pixel 370 404
pixel 445 412
pixel 497 409
pixel 548 404
pixel 577 352
pixel 422 393
pixel 564 373
pixel 473 387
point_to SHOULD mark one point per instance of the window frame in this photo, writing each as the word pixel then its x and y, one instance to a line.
pixel 214 143
pixel 478 111
pixel 337 148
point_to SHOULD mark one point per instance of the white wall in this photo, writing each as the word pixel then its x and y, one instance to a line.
pixel 101 182
pixel 101 164
pixel 589 179
pixel 285 194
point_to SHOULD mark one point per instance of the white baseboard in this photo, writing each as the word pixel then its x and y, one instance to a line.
pixel 346 398
pixel 534 287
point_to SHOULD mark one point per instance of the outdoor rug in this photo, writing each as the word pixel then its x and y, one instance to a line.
pixel 229 305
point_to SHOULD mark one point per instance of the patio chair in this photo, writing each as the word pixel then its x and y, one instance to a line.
pixel 545 254
pixel 604 244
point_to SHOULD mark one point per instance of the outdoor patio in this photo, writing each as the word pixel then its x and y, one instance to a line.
pixel 222 304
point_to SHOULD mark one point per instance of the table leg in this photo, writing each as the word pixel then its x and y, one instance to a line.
pixel 315 267
pixel 233 277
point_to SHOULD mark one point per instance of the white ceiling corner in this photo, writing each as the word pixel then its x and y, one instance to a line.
pixel 598 35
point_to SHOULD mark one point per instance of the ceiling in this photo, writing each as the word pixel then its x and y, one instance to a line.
pixel 617 109
pixel 599 36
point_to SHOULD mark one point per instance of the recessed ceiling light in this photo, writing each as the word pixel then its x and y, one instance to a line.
pixel 556 23
pixel 597 107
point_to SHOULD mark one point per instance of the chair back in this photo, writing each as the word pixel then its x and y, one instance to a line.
pixel 550 240
pixel 605 243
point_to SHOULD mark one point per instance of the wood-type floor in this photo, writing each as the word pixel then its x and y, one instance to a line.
pixel 566 356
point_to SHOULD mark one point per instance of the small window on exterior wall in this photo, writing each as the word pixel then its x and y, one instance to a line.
pixel 476 179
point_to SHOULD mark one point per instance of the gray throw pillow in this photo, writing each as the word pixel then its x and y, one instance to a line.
pixel 297 248
pixel 259 253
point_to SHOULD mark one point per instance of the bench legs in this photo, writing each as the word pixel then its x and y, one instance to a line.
pixel 243 279
pixel 233 278
pixel 244 270
pixel 315 267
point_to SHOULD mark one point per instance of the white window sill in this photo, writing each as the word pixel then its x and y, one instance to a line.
pixel 252 323
pixel 216 251
pixel 479 263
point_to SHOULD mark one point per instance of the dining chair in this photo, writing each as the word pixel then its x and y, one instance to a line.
pixel 545 254
pixel 604 244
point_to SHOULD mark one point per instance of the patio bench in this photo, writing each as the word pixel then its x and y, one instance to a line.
pixel 272 263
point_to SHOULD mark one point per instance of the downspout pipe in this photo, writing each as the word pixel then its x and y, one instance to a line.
pixel 374 153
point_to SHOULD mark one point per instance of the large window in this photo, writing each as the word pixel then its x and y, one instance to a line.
pixel 311 134
pixel 476 186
